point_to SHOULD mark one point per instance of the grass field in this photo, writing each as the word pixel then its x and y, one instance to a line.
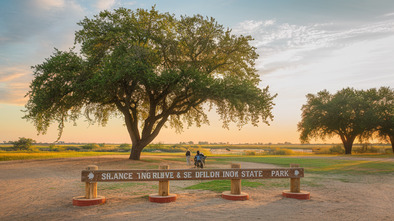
pixel 324 165
pixel 313 163
pixel 318 167
pixel 5 156
pixel 222 185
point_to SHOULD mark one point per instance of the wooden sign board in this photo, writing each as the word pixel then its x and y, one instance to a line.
pixel 189 174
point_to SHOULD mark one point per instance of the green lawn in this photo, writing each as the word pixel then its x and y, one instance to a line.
pixel 222 185
pixel 322 165
pixel 5 156
pixel 355 164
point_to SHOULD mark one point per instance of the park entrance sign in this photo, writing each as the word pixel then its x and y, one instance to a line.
pixel 91 176
pixel 188 174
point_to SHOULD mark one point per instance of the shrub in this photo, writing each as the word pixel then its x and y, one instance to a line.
pixel 321 150
pixel 337 149
pixel 124 145
pixel 72 148
pixel 90 146
pixel 366 148
pixel 23 144
pixel 280 151
pixel 56 148
pixel 388 150
pixel 250 153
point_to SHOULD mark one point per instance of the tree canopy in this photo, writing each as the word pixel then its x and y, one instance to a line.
pixel 383 124
pixel 348 114
pixel 151 69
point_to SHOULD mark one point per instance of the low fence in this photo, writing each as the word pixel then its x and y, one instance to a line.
pixel 164 175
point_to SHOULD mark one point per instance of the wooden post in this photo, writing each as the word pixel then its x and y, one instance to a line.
pixel 235 193
pixel 90 197
pixel 164 195
pixel 295 188
pixel 91 188
pixel 295 185
pixel 236 183
pixel 164 186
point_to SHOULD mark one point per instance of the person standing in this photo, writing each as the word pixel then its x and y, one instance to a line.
pixel 188 157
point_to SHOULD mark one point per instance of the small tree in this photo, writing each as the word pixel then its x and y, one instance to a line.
pixel 23 143
pixel 347 113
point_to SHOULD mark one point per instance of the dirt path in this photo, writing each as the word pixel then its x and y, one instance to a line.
pixel 43 190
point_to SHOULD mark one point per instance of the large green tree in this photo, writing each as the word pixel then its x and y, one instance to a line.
pixel 151 69
pixel 347 114
pixel 383 108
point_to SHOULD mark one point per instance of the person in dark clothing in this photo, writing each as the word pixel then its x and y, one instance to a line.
pixel 199 160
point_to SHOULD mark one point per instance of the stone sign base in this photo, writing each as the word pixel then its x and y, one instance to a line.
pixel 302 195
pixel 228 196
pixel 82 201
pixel 155 198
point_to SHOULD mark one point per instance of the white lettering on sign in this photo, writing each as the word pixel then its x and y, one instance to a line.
pixel 146 175
pixel 230 173
pixel 206 174
pixel 187 174
pixel 252 174
pixel 156 175
pixel 117 176
pixel 280 173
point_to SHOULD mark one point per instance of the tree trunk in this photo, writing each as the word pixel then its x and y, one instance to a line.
pixel 348 147
pixel 347 143
pixel 136 150
pixel 392 142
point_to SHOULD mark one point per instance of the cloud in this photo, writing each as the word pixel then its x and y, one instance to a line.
pixel 388 14
pixel 299 59
pixel 14 84
pixel 49 4
pixel 287 45
pixel 251 25
pixel 27 19
pixel 105 4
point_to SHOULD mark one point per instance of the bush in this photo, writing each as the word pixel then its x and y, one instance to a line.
pixel 56 148
pixel 250 153
pixel 72 148
pixel 366 148
pixel 125 145
pixel 337 149
pixel 23 144
pixel 321 150
pixel 280 151
pixel 90 146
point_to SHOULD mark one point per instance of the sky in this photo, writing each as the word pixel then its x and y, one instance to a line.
pixel 303 46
